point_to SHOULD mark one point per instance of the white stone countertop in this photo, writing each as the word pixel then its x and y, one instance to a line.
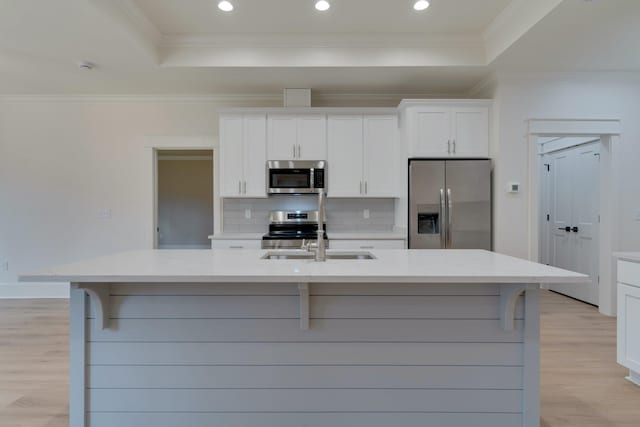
pixel 627 256
pixel 390 266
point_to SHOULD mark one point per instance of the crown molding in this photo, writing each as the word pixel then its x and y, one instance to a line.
pixel 129 16
pixel 221 98
pixel 487 82
pixel 337 40
pixel 515 20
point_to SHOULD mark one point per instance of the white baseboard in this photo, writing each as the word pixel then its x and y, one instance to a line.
pixel 33 290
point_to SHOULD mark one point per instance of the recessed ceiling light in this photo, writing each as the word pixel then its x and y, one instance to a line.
pixel 225 6
pixel 322 5
pixel 421 5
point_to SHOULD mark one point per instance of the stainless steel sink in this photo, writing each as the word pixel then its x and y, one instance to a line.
pixel 355 255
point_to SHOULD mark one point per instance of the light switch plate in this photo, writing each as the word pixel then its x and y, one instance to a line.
pixel 513 187
pixel 104 213
pixel 5 266
pixel 247 213
pixel 366 214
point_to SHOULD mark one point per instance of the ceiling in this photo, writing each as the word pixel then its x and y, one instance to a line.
pixel 189 47
pixel 299 16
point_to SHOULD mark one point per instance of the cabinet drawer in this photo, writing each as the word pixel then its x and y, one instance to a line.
pixel 367 244
pixel 236 244
pixel 629 273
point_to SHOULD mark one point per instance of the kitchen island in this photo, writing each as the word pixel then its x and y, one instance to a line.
pixel 226 338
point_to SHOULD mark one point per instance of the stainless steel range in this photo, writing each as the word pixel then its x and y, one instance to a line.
pixel 288 229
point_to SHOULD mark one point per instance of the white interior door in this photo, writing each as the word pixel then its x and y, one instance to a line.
pixel 574 200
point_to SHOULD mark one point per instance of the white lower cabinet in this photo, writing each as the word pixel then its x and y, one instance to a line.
pixel 367 244
pixel 236 244
pixel 629 318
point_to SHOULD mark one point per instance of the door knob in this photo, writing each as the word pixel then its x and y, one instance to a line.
pixel 574 229
pixel 567 228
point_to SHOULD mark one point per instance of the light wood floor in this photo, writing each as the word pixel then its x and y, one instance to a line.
pixel 582 385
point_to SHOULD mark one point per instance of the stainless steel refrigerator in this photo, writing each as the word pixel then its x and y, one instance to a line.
pixel 450 204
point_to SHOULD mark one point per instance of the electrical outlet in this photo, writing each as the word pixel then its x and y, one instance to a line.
pixel 5 266
pixel 366 214
pixel 247 213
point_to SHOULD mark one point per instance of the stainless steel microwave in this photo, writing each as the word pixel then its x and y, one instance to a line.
pixel 296 176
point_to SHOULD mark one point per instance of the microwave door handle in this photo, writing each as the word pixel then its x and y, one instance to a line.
pixel 442 232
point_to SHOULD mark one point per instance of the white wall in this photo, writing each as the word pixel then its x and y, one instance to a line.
pixel 522 97
pixel 65 160
pixel 62 161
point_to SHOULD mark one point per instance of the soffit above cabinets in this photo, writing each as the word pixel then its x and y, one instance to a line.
pixel 374 47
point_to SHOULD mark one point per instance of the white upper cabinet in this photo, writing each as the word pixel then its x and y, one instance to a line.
pixel 297 137
pixel 470 132
pixel 432 132
pixel 363 156
pixel 441 130
pixel 345 164
pixel 381 154
pixel 243 155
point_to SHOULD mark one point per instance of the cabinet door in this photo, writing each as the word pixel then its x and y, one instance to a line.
pixel 367 244
pixel 255 156
pixel 282 137
pixel 431 132
pixel 231 156
pixel 345 156
pixel 312 138
pixel 381 156
pixel 628 321
pixel 236 244
pixel 470 132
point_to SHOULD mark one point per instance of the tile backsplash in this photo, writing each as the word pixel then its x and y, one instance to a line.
pixel 343 215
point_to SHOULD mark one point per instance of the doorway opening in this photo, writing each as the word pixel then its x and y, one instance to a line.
pixel 606 132
pixel 184 199
pixel 569 214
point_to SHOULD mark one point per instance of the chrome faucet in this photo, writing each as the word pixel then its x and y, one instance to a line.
pixel 319 246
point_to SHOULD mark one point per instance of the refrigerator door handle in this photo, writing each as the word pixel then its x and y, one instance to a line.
pixel 443 242
pixel 449 218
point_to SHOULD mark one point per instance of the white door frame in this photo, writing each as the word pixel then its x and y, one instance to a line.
pixel 162 142
pixel 609 132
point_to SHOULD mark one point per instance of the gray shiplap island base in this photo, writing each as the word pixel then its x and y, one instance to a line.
pixel 222 338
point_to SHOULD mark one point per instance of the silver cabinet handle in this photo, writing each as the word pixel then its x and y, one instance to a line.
pixel 366 247
pixel 236 247
pixel 450 218
pixel 442 235
pixel 360 187
pixel 244 187
pixel 294 151
pixel 449 146
pixel 299 151
pixel 366 187
pixel 454 146
pixel 239 187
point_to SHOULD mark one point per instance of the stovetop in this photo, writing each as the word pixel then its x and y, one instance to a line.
pixel 291 235
pixel 293 225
